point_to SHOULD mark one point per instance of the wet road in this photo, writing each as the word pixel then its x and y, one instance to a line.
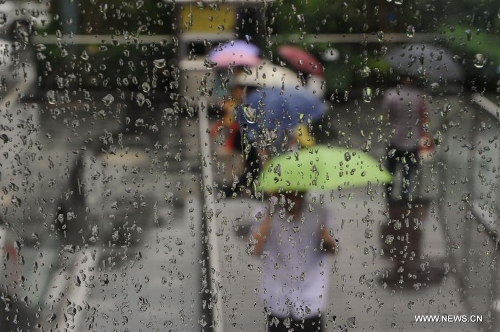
pixel 148 275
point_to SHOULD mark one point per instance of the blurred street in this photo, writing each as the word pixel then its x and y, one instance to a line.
pixel 153 279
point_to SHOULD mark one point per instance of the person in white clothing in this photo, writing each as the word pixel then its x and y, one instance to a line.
pixel 293 237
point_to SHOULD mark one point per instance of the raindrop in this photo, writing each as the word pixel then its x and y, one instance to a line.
pixel 365 71
pixel 3 19
pixel 351 322
pixel 40 47
pixel 422 72
pixel 367 94
pixel 70 248
pixel 479 60
pixel 51 97
pixel 249 113
pixel 209 63
pixel 146 87
pixel 51 317
pixel 398 2
pixel 247 70
pixel 389 239
pixel 159 63
pixel 434 86
pixel 108 99
pixel 368 233
pixel 140 99
pixel 410 31
pixel 468 33
pixel 380 36
pixel 139 4
pixel 383 50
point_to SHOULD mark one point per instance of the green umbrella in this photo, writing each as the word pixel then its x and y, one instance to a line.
pixel 321 168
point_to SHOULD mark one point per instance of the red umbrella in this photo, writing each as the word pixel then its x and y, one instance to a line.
pixel 300 60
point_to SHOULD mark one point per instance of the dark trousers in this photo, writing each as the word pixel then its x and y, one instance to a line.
pixel 409 161
pixel 312 324
pixel 252 166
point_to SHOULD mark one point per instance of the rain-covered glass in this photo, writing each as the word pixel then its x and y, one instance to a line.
pixel 278 165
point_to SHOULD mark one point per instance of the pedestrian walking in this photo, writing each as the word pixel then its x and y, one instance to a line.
pixel 293 238
pixel 406 106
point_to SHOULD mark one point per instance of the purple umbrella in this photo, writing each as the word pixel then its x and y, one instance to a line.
pixel 235 53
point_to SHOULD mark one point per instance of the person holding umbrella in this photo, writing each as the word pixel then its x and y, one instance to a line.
pixel 275 114
pixel 293 236
pixel 230 59
pixel 406 106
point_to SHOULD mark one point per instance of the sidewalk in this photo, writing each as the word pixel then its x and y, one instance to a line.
pixel 356 300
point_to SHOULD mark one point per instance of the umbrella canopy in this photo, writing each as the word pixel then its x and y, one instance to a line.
pixel 428 62
pixel 235 53
pixel 271 114
pixel 321 168
pixel 301 60
pixel 268 75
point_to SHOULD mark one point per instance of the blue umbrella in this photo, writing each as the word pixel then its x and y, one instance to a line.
pixel 273 113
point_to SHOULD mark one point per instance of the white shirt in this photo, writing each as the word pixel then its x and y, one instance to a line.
pixel 295 277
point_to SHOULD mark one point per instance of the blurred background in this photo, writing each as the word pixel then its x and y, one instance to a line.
pixel 112 217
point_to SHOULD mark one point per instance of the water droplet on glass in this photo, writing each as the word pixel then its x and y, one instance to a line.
pixel 434 86
pixel 159 63
pixel 367 94
pixel 383 50
pixel 468 33
pixel 351 322
pixel 209 63
pixel 84 56
pixel 479 60
pixel 140 99
pixel 410 31
pixel 3 19
pixel 51 97
pixel 247 70
pixel 146 87
pixel 40 47
pixel 249 113
pixel 398 2
pixel 365 71
pixel 108 99
pixel 380 36
pixel 139 4
pixel 368 233
pixel 389 239
pixel 422 72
